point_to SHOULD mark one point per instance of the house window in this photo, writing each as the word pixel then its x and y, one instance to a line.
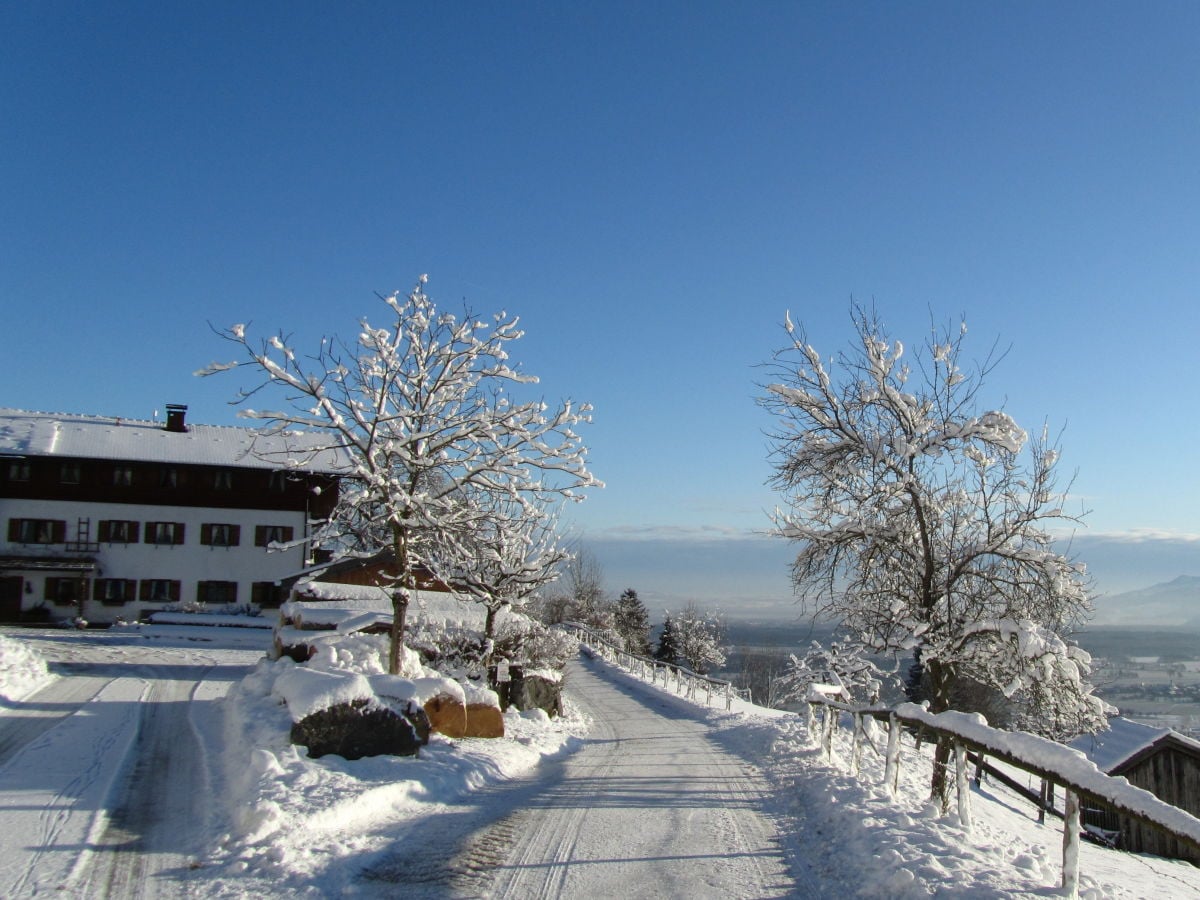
pixel 164 532
pixel 267 594
pixel 222 480
pixel 122 476
pixel 220 593
pixel 168 478
pixel 37 531
pixel 220 535
pixel 69 473
pixel 118 531
pixel 159 590
pixel 66 591
pixel 264 535
pixel 114 591
pixel 18 470
pixel 277 481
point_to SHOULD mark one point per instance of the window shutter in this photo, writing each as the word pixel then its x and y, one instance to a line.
pixel 133 532
pixel 206 533
pixel 60 531
pixel 175 591
pixel 105 531
pixel 14 531
pixel 144 589
pixel 260 535
pixel 98 589
pixel 150 532
pixel 178 532
pixel 235 535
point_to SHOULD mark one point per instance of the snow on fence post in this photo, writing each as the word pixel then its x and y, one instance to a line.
pixel 963 784
pixel 891 768
pixel 828 725
pixel 728 696
pixel 1070 873
pixel 856 736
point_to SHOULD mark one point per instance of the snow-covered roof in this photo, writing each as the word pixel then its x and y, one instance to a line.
pixel 1124 738
pixel 24 433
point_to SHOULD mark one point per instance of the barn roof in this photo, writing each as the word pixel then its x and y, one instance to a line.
pixel 1126 742
pixel 72 435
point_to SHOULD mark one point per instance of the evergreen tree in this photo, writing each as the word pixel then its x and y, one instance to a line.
pixel 632 622
pixel 668 643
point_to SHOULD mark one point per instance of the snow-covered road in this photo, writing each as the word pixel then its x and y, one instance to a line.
pixel 105 770
pixel 649 806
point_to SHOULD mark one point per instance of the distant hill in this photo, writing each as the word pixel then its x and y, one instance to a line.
pixel 1172 603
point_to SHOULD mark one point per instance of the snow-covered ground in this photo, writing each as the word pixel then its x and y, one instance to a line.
pixel 79 796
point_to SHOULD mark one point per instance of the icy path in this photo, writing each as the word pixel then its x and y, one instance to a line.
pixel 105 771
pixel 650 807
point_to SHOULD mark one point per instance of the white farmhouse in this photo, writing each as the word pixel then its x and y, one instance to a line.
pixel 105 517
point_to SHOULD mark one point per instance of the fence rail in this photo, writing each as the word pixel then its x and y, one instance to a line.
pixel 1055 763
pixel 685 681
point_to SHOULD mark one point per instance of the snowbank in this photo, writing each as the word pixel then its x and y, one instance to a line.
pixel 295 819
pixel 22 670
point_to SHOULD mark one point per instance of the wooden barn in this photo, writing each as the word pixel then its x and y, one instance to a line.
pixel 1159 760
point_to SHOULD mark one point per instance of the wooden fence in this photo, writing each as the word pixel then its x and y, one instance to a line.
pixel 1054 763
pixel 683 681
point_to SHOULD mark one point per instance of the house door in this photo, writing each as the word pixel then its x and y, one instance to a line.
pixel 11 589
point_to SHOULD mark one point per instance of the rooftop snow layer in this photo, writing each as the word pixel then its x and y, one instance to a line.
pixel 24 433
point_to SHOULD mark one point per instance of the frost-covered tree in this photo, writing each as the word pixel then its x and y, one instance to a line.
pixel 632 621
pixel 500 558
pixel 667 650
pixel 421 409
pixel 698 635
pixel 922 522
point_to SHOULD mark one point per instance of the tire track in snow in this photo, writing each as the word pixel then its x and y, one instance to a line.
pixel 63 779
pixel 649 807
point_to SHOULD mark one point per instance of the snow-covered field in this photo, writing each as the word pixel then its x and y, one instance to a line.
pixel 264 820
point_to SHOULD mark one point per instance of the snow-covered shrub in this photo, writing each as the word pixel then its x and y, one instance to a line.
pixel 841 664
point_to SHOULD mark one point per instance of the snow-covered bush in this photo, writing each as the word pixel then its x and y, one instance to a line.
pixel 842 664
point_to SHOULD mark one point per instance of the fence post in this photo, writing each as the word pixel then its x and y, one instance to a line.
pixel 728 696
pixel 891 768
pixel 1070 875
pixel 829 724
pixel 855 734
pixel 963 784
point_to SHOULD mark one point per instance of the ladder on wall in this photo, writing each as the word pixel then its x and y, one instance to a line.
pixel 83 542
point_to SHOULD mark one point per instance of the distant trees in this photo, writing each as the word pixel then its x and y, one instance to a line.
pixel 921 522
pixel 632 622
pixel 668 644
pixel 421 411
pixel 698 634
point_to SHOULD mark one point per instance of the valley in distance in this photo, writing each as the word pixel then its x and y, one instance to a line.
pixel 1145 647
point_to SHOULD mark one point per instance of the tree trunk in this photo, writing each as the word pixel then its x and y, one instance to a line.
pixel 399 617
pixel 401 594
pixel 939 788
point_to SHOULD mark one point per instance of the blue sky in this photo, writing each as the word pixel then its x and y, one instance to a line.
pixel 650 186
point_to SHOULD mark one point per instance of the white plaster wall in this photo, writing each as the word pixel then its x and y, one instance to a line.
pixel 188 563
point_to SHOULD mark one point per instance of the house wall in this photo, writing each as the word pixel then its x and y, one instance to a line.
pixel 190 562
pixel 82 494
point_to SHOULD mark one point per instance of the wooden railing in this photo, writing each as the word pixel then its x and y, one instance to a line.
pixel 1055 763
pixel 684 681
